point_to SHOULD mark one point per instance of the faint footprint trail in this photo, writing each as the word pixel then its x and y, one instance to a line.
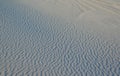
pixel 107 6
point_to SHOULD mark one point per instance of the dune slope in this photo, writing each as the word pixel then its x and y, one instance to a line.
pixel 60 38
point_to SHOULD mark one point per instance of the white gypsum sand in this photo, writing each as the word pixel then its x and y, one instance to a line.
pixel 59 38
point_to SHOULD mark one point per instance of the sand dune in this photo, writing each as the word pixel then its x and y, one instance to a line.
pixel 60 38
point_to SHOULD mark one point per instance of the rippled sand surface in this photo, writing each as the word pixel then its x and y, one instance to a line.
pixel 59 38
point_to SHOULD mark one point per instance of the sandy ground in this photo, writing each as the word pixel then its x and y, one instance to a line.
pixel 59 37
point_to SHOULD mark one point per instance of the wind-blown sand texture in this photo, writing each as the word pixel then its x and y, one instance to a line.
pixel 60 38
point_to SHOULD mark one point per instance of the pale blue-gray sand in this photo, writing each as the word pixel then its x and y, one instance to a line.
pixel 34 43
